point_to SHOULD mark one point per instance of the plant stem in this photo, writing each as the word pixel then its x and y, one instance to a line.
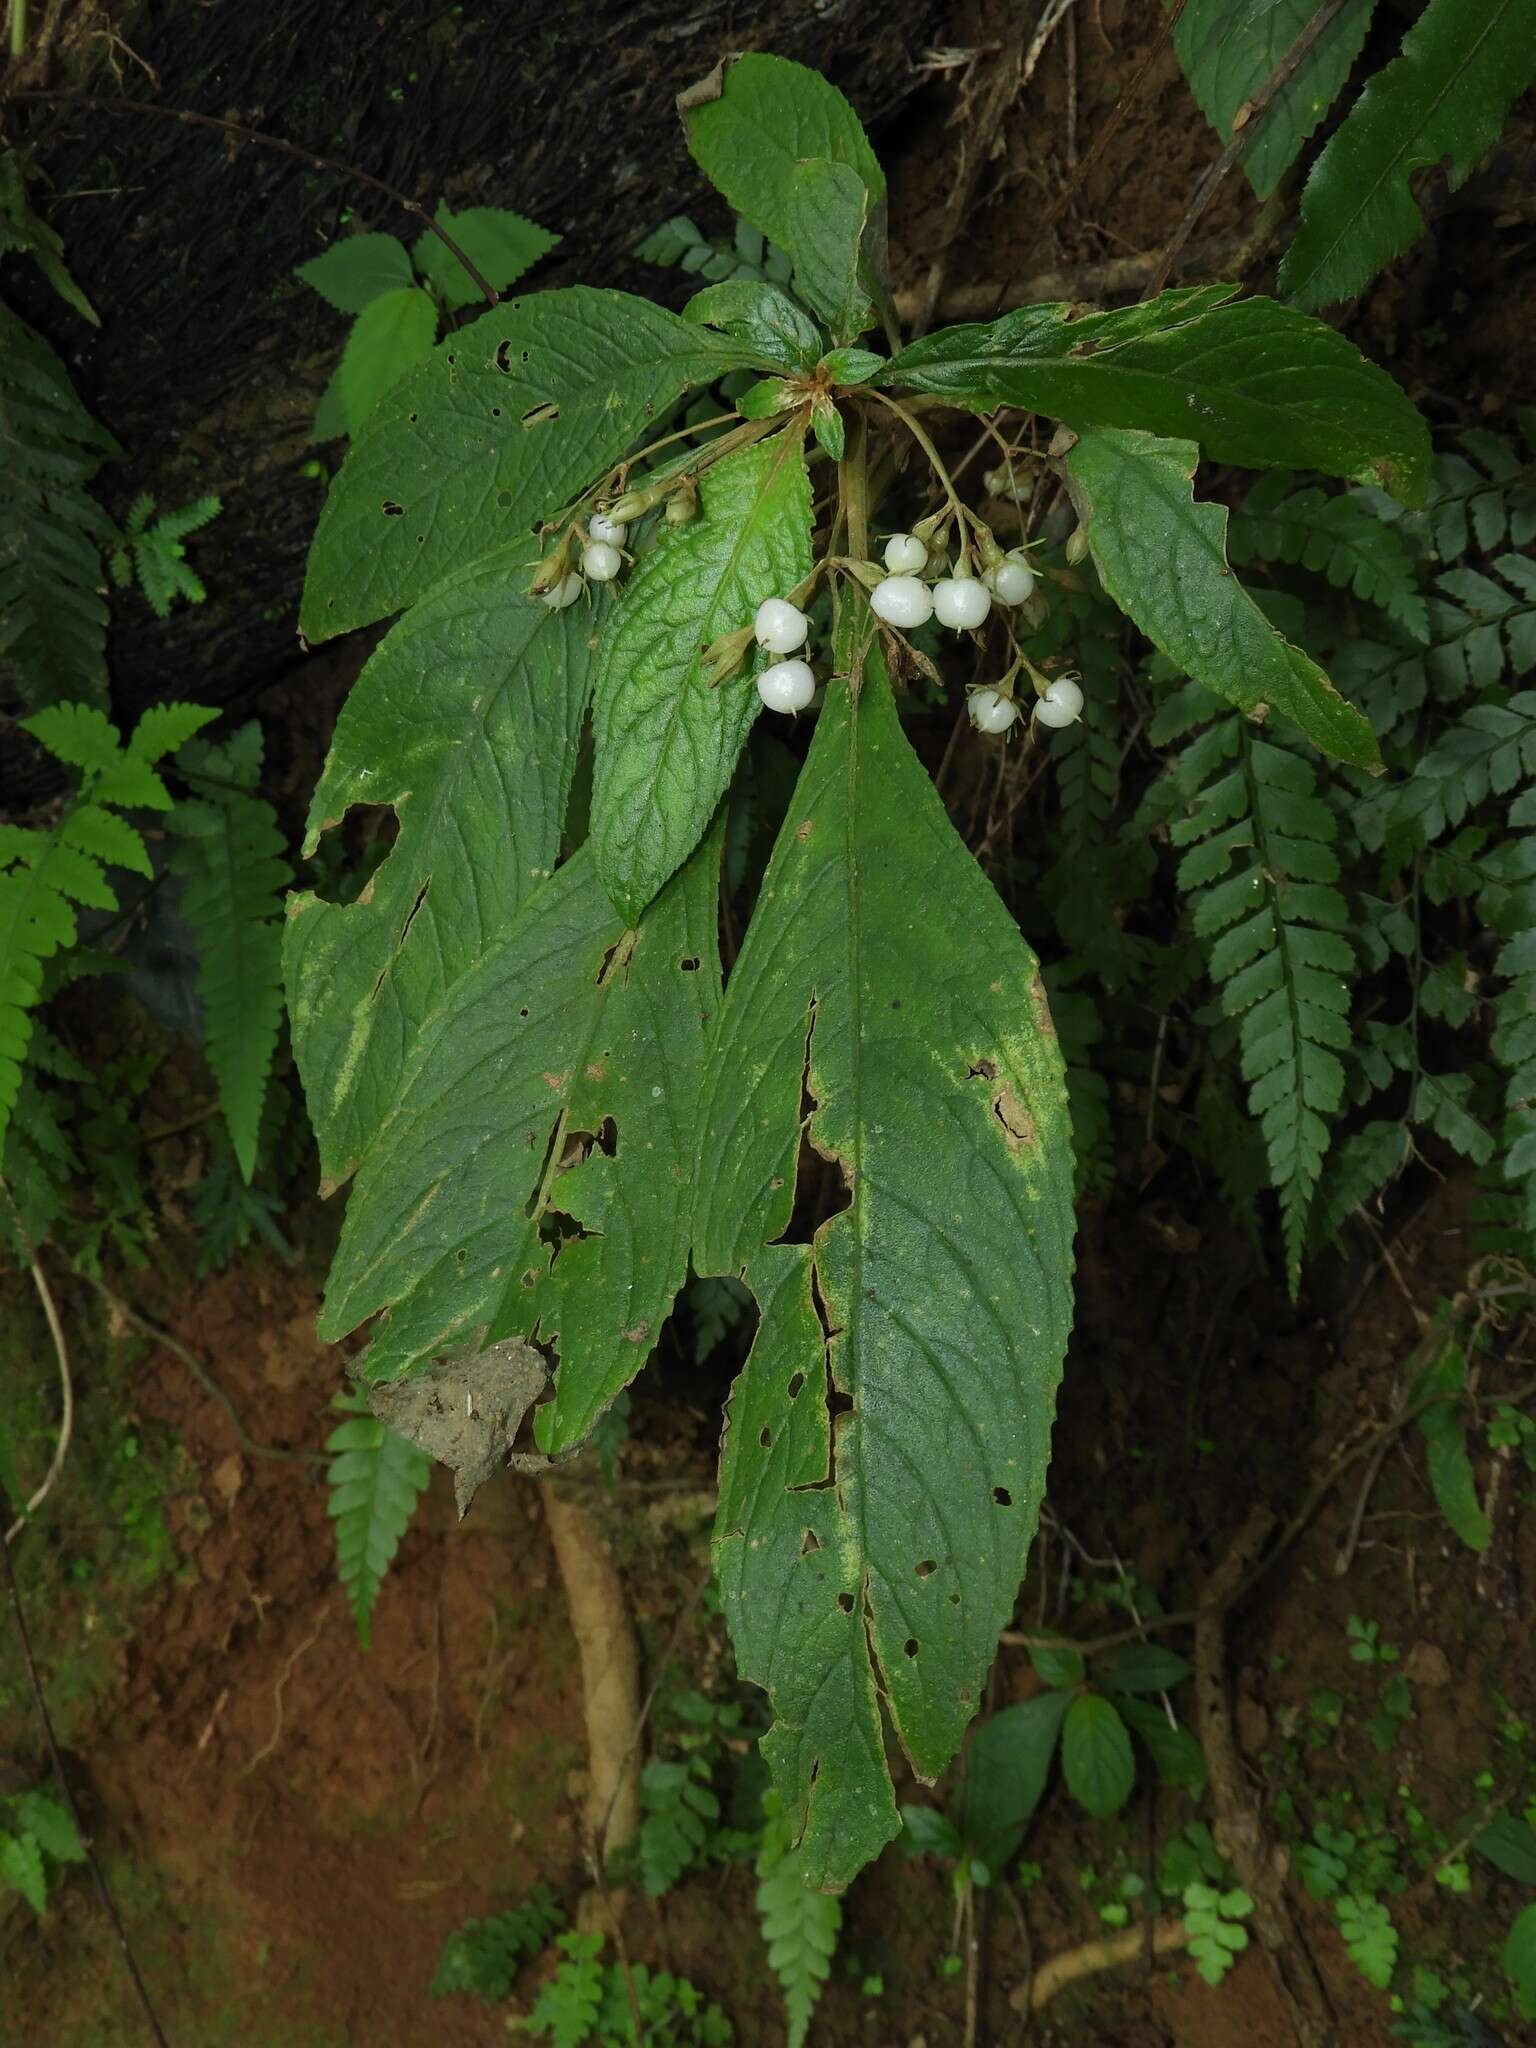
pixel 920 436
pixel 68 1790
pixel 853 488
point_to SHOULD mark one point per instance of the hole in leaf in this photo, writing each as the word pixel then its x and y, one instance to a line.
pixel 531 1277
pixel 606 1138
pixel 541 415
pixel 909 1647
pixel 504 356
pixel 845 1602
pixel 984 1070
pixel 1002 1496
pixel 795 1385
pixel 495 412
pixel 368 831
pixel 954 1599
pixel 392 510
pixel 411 418
pixel 809 1542
pixel 926 1569
pixel 822 1187
pixel 765 1438
pixel 690 965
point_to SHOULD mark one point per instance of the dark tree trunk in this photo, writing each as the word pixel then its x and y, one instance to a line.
pixel 211 355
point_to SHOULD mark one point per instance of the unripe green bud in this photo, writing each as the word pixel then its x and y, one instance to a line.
pixel 1077 546
pixel 682 506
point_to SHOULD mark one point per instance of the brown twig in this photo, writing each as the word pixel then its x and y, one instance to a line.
pixel 66 1381
pixel 40 1700
pixel 1246 123
pixel 109 104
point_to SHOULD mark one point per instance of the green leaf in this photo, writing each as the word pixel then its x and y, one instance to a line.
pixel 1175 1751
pixel 1464 63
pixel 391 335
pixel 1228 52
pixel 330 413
pixel 1142 1667
pixel 1370 1937
pixel 800 1928
pixel 375 1479
pixel 355 271
pixel 927 1832
pixel 754 126
pixel 1096 1757
pixel 22 229
pixel 1007 1763
pixel 500 244
pixel 466 720
pixel 762 316
pixel 229 854
pixel 21 1869
pixel 1451 1478
pixel 50 1821
pixel 483 1957
pixel 1519 1960
pixel 1253 382
pixel 830 205
pixel 1162 558
pixel 939 1137
pixel 53 615
pixel 531 1169
pixel 1059 1667
pixel 1510 1846
pixel 507 419
pixel 667 738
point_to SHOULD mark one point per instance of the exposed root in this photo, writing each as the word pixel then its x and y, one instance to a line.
pixel 1107 1952
pixel 610 1672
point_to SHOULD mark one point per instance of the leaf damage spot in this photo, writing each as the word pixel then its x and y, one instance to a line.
pixel 1018 1126
pixel 804 831
pixel 639 1334
pixel 543 415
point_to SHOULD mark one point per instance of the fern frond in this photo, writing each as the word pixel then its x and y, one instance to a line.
pixel 230 855
pixel 483 1957
pixel 157 554
pixel 1261 872
pixel 1487 752
pixel 1482 495
pixel 36 1161
pixel 800 1926
pixel 570 2002
pixel 53 614
pixel 679 244
pixel 1339 537
pixel 375 1479
pixel 1357 1171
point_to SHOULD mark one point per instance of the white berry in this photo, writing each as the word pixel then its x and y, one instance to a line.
pixel 787 686
pixel 600 563
pixel 1011 580
pixel 991 711
pixel 613 531
pixel 960 601
pixel 905 555
pixel 565 592
pixel 902 601
pixel 781 627
pixel 1061 705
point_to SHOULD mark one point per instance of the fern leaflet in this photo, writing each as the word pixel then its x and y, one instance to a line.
pixel 800 1926
pixel 53 615
pixel 483 1957
pixel 1262 873
pixel 1487 752
pixel 45 875
pixel 569 2004
pixel 375 1479
pixel 230 855
pixel 1339 537
pixel 158 554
